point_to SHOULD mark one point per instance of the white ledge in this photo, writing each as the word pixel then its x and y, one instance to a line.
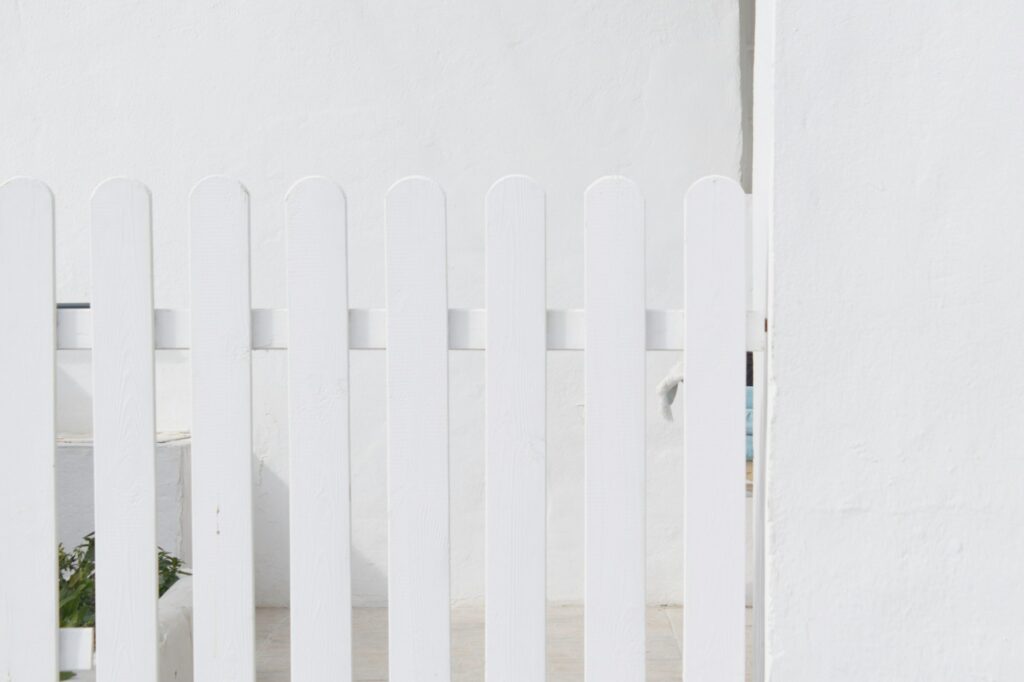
pixel 467 329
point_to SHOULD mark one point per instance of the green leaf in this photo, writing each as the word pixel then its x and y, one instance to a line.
pixel 77 583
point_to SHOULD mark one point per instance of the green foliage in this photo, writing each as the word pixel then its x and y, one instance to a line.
pixel 78 581
pixel 78 584
pixel 171 568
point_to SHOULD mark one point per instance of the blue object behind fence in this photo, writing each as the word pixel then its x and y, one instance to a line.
pixel 750 423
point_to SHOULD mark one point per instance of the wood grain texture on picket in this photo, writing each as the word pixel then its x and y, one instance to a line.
pixel 28 535
pixel 515 432
pixel 713 432
pixel 615 395
pixel 318 433
pixel 419 638
pixel 222 532
pixel 124 432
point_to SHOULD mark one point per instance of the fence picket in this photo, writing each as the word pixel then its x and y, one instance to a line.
pixel 419 615
pixel 222 534
pixel 614 372
pixel 713 400
pixel 124 432
pixel 28 535
pixel 318 428
pixel 515 433
pixel 719 323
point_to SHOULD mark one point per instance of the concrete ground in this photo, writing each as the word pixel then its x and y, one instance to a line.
pixel 565 644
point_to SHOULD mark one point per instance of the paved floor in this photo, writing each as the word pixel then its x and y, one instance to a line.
pixel 565 644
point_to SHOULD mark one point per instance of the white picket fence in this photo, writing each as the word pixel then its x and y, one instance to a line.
pixel 417 329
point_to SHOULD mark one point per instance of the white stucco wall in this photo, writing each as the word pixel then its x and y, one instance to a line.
pixel 895 512
pixel 76 496
pixel 365 93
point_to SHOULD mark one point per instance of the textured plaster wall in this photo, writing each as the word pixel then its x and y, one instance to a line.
pixel 365 93
pixel 895 512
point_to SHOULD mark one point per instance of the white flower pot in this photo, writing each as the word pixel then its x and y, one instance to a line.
pixel 76 647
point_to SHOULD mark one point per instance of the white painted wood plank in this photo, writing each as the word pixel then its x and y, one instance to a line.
pixel 614 372
pixel 758 224
pixel 467 329
pixel 28 536
pixel 418 535
pixel 318 433
pixel 758 515
pixel 713 412
pixel 124 433
pixel 515 432
pixel 222 533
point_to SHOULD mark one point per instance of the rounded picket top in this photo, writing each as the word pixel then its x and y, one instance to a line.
pixel 716 206
pixel 120 206
pixel 418 187
pixel 26 201
pixel 26 225
pixel 516 182
pixel 610 205
pixel 315 187
pixel 218 187
pixel 120 187
pixel 416 203
pixel 618 186
pixel 516 202
pixel 717 186
pixel 222 203
pixel 26 186
pixel 316 205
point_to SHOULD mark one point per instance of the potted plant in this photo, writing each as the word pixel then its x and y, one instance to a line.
pixel 78 600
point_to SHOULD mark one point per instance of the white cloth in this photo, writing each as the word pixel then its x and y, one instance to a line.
pixel 668 387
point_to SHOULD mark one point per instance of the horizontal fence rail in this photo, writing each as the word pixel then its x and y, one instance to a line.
pixel 467 329
pixel 723 318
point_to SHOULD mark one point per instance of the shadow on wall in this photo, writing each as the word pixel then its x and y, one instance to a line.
pixel 270 467
pixel 368 478
pixel 369 470
pixel 747 8
pixel 369 581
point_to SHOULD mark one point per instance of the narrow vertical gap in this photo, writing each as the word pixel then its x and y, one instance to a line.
pixel 746 13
